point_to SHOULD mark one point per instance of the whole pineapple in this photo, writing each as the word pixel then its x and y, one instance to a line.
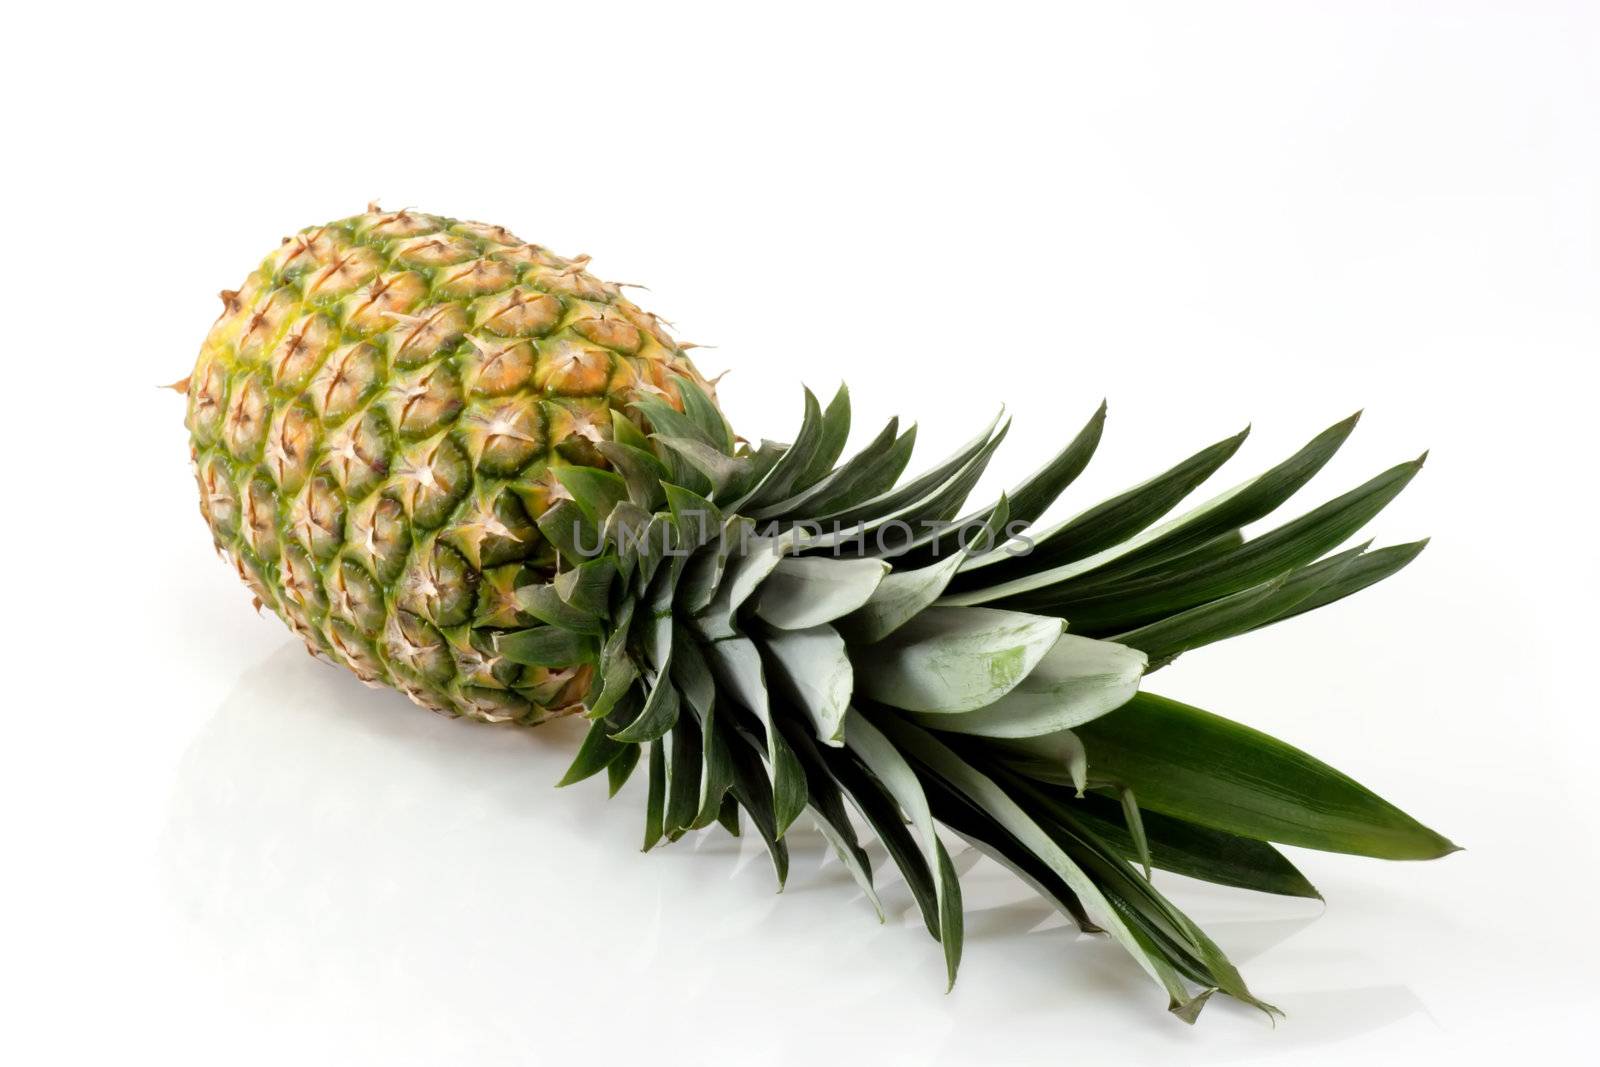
pixel 466 468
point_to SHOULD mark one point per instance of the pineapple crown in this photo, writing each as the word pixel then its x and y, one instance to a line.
pixel 774 632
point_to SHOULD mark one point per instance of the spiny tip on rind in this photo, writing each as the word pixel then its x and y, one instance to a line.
pixel 179 386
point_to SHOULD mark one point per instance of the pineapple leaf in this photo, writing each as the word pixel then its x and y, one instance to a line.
pixel 889 501
pixel 830 444
pixel 737 665
pixel 868 472
pixel 1368 569
pixel 1200 767
pixel 691 675
pixel 616 667
pixel 660 714
pixel 1030 499
pixel 728 814
pixel 754 793
pixel 696 518
pixel 1134 824
pixel 587 587
pixel 703 574
pixel 597 752
pixel 998 805
pixel 641 471
pixel 667 421
pixel 950 660
pixel 573 533
pixel 1078 679
pixel 1237 613
pixel 716 774
pixel 727 474
pixel 1026 502
pixel 987 838
pixel 930 514
pixel 683 777
pixel 619 770
pixel 656 798
pixel 1121 606
pixel 1217 517
pixel 1155 922
pixel 594 490
pixel 1058 758
pixel 1107 527
pixel 816 669
pixel 741 578
pixel 885 819
pixel 827 811
pixel 805 591
pixel 544 603
pixel 1196 851
pixel 891 769
pixel 905 593
pixel 704 414
pixel 624 432
pixel 780 480
pixel 546 646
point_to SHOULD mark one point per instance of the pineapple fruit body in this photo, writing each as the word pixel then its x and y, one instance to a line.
pixel 377 419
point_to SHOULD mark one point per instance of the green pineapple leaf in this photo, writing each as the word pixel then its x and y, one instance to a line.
pixel 546 646
pixel 1106 527
pixel 947 660
pixel 869 472
pixel 891 769
pixel 1237 613
pixel 1077 680
pixel 1196 851
pixel 1197 766
pixel 806 591
pixel 831 441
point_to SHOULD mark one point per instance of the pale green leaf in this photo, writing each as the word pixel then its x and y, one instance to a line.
pixel 816 668
pixel 805 591
pixel 737 665
pixel 905 593
pixel 1079 679
pixel 955 659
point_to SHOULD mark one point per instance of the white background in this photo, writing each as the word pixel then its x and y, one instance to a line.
pixel 217 850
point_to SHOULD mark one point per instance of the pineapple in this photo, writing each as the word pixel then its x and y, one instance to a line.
pixel 466 468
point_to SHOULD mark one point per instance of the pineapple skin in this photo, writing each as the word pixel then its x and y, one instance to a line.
pixel 375 422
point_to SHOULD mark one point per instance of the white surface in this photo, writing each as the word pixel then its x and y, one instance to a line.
pixel 220 851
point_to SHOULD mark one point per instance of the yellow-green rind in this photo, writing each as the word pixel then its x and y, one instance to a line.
pixel 376 419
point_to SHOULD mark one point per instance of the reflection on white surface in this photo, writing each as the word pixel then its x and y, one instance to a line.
pixel 410 889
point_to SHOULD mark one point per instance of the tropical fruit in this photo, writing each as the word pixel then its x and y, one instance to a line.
pixel 464 467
